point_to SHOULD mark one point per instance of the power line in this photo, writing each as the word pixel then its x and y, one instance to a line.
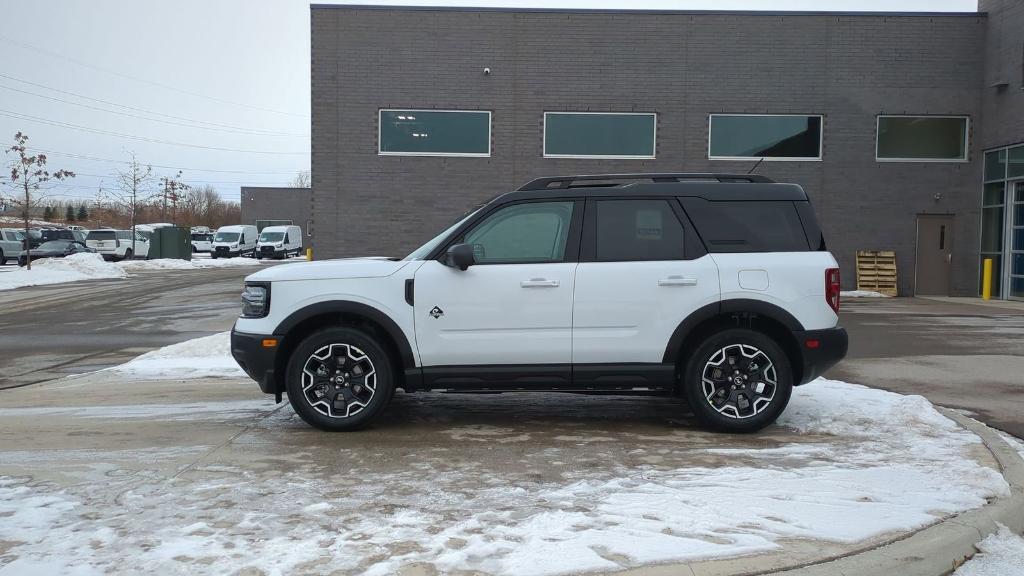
pixel 186 122
pixel 16 115
pixel 52 54
pixel 168 167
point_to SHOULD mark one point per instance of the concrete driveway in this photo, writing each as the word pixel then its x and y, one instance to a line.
pixel 958 353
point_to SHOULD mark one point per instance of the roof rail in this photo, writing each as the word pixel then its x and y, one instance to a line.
pixel 556 182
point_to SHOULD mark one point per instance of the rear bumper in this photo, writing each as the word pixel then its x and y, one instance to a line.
pixel 821 350
pixel 255 359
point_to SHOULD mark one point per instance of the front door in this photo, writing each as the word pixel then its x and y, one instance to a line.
pixel 514 305
pixel 1015 289
pixel 934 254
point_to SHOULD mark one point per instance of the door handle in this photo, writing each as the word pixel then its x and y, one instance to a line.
pixel 539 283
pixel 677 281
pixel 949 258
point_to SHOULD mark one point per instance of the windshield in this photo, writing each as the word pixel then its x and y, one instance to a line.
pixel 271 236
pixel 226 237
pixel 54 245
pixel 100 235
pixel 422 252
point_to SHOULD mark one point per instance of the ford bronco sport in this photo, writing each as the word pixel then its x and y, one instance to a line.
pixel 715 287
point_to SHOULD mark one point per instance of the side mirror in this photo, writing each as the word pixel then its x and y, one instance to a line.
pixel 460 256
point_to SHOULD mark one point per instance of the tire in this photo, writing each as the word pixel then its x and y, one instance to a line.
pixel 3 261
pixel 709 388
pixel 128 254
pixel 318 404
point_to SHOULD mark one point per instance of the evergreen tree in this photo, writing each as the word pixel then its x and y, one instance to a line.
pixel 47 213
pixel 83 213
pixel 69 214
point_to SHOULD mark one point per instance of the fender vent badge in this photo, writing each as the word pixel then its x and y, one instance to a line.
pixel 436 312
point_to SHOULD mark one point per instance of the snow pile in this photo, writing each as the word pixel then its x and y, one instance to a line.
pixel 59 270
pixel 863 294
pixel 1001 554
pixel 868 463
pixel 206 357
pixel 194 264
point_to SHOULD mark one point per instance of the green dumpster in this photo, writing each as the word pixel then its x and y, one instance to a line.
pixel 170 242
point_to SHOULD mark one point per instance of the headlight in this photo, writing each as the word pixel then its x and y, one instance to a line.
pixel 255 300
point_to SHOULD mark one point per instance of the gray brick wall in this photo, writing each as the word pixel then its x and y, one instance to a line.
pixel 267 203
pixel 1003 109
pixel 682 66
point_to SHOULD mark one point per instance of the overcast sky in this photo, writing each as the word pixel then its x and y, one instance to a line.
pixel 216 88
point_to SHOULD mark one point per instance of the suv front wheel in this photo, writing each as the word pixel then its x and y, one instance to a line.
pixel 339 379
pixel 738 380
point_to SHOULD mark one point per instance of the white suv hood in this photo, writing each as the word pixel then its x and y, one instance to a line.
pixel 329 270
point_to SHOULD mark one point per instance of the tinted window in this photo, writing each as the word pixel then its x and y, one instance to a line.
pixel 921 138
pixel 532 232
pixel 637 230
pixel 599 135
pixel 434 132
pixel 769 136
pixel 747 226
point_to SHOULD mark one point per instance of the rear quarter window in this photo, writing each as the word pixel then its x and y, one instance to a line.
pixel 748 226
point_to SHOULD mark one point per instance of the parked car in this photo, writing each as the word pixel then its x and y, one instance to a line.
pixel 279 242
pixel 714 287
pixel 202 241
pixel 53 249
pixel 230 241
pixel 79 228
pixel 117 244
pixel 12 242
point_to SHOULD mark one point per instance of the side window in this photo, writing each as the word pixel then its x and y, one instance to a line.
pixel 636 230
pixel 531 232
pixel 768 226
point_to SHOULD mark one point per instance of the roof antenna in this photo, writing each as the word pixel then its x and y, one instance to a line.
pixel 751 171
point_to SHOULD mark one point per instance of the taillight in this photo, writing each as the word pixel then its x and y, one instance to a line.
pixel 832 288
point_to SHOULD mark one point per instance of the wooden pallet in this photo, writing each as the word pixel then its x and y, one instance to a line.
pixel 876 271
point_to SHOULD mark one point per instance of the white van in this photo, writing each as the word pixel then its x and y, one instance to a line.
pixel 279 242
pixel 117 244
pixel 230 241
pixel 202 241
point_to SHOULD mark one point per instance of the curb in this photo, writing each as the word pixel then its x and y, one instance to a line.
pixel 938 549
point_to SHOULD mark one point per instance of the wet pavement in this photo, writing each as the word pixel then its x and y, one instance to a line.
pixel 956 354
pixel 49 332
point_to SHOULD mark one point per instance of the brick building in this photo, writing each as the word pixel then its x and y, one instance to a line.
pixel 900 126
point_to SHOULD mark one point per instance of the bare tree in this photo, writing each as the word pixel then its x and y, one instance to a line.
pixel 28 176
pixel 133 185
pixel 172 189
pixel 301 180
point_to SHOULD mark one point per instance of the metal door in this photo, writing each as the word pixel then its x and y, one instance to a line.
pixel 1015 279
pixel 934 254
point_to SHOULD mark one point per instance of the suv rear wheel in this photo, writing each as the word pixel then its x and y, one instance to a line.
pixel 339 379
pixel 738 380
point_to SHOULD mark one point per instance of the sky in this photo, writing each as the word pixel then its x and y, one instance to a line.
pixel 218 89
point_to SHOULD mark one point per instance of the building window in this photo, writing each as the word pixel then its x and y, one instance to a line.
pixel 764 136
pixel 611 135
pixel 434 133
pixel 1015 162
pixel 922 139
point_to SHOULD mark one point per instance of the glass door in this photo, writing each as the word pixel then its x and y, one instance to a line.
pixel 1016 241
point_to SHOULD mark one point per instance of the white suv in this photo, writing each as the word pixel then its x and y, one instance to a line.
pixel 714 287
pixel 117 244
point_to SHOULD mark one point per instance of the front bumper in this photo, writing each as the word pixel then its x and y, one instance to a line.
pixel 821 350
pixel 255 359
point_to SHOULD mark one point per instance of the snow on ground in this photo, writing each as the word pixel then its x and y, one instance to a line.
pixel 873 462
pixel 999 554
pixel 60 270
pixel 863 294
pixel 207 357
pixel 193 264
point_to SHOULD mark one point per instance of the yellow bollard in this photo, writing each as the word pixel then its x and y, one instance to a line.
pixel 309 254
pixel 986 279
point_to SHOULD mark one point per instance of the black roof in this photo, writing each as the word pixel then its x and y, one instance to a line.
pixel 723 187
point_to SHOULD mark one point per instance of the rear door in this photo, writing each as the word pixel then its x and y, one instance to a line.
pixel 642 271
